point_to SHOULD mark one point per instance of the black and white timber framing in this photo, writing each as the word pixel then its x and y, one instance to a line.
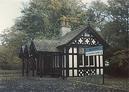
pixel 64 57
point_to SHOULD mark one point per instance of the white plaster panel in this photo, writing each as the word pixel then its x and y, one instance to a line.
pixel 101 71
pixel 75 61
pixel 75 72
pixel 70 50
pixel 64 72
pixel 97 71
pixel 65 61
pixel 70 72
pixel 97 61
pixel 70 61
pixel 75 50
pixel 101 61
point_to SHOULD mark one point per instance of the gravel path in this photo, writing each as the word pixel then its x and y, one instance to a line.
pixel 49 85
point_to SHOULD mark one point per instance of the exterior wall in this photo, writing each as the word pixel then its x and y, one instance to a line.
pixel 64 63
pixel 97 63
pixel 73 62
pixel 64 71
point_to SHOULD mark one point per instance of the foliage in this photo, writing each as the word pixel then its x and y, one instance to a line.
pixel 97 14
pixel 11 42
pixel 41 18
pixel 119 64
pixel 115 30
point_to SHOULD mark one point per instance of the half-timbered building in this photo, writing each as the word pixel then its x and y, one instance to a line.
pixel 65 56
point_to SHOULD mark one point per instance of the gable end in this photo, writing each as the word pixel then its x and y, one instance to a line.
pixel 87 37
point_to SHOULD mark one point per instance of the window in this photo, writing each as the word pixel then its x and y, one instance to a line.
pixel 91 60
pixel 80 60
pixel 86 60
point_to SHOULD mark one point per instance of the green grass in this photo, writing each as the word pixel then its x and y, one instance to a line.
pixel 111 82
pixel 10 74
pixel 115 82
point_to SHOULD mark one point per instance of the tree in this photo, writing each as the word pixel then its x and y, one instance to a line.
pixel 115 30
pixel 97 14
pixel 119 65
pixel 41 18
pixel 12 41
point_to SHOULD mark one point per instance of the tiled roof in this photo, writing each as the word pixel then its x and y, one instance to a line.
pixel 46 45
pixel 69 36
pixel 51 45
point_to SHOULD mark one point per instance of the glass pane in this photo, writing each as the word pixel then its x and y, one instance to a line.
pixel 80 60
pixel 91 60
pixel 86 60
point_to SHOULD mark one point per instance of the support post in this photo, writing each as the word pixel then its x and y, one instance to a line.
pixel 60 63
pixel 78 61
pixel 40 65
pixel 73 61
pixel 33 66
pixel 37 66
pixel 23 67
pixel 63 65
pixel 27 67
pixel 67 61
pixel 103 69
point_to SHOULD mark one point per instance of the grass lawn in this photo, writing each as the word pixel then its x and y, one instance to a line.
pixel 111 82
pixel 13 77
pixel 115 82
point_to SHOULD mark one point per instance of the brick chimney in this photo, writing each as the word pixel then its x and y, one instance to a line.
pixel 65 27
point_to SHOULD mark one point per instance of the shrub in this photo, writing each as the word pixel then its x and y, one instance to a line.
pixel 119 64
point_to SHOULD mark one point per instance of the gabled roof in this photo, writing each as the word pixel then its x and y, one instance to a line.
pixel 74 34
pixel 71 35
pixel 46 45
pixel 51 45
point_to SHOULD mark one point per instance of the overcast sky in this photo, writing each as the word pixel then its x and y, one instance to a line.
pixel 10 10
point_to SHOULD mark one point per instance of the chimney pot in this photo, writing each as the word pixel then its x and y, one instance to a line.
pixel 65 27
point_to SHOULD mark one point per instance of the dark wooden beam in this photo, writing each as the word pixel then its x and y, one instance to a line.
pixel 78 61
pixel 99 65
pixel 95 64
pixel 23 66
pixel 33 65
pixel 73 61
pixel 40 65
pixel 60 64
pixel 37 65
pixel 63 65
pixel 27 67
pixel 67 61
